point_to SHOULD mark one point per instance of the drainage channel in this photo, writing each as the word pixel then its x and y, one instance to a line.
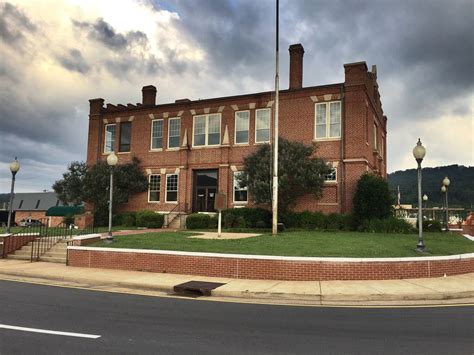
pixel 196 288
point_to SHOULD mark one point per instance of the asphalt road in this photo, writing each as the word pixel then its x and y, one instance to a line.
pixel 130 324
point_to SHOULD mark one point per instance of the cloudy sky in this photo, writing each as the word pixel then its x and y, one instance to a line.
pixel 57 54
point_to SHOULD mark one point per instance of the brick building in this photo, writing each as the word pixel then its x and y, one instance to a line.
pixel 192 149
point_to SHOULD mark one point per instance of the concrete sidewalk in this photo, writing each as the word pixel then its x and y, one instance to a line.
pixel 446 290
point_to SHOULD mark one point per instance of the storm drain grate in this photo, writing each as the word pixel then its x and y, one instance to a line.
pixel 196 288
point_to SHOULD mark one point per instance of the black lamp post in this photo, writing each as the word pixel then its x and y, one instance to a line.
pixel 14 167
pixel 419 153
pixel 111 161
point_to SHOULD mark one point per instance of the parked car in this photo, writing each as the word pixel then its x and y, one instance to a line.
pixel 28 222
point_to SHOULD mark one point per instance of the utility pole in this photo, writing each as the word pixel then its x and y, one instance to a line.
pixel 275 130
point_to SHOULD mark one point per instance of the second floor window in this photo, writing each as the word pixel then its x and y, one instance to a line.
pixel 328 120
pixel 125 136
pixel 157 134
pixel 109 141
pixel 262 125
pixel 174 132
pixel 242 127
pixel 207 130
pixel 375 137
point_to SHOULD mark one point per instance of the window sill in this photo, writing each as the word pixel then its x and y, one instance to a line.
pixel 123 153
pixel 326 139
pixel 173 149
pixel 241 144
pixel 172 202
pixel 154 202
pixel 155 150
pixel 330 182
pixel 260 143
pixel 206 146
pixel 240 203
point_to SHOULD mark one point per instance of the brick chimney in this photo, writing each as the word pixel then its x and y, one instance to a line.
pixel 96 106
pixel 149 95
pixel 296 66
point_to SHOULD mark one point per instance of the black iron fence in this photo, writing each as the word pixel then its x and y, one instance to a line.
pixel 52 235
pixel 41 236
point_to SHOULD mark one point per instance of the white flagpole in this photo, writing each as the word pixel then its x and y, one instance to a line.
pixel 275 134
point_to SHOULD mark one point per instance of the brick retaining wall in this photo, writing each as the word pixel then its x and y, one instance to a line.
pixel 270 267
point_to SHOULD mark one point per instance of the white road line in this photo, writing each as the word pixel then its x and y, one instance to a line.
pixel 46 331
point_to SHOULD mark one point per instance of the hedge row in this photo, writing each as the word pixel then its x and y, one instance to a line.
pixel 260 218
pixel 148 219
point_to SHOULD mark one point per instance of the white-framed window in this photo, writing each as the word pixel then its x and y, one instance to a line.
pixel 174 132
pixel 154 187
pixel 332 176
pixel 328 120
pixel 207 130
pixel 109 141
pixel 242 119
pixel 157 134
pixel 171 188
pixel 240 192
pixel 262 125
pixel 375 136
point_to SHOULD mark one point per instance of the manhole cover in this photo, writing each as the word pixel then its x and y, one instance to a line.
pixel 196 288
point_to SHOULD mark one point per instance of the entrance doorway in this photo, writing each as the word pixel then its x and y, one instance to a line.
pixel 205 184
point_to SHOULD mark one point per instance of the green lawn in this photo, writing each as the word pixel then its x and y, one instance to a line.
pixel 302 243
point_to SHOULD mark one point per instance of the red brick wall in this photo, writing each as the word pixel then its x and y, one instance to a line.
pixel 19 215
pixel 249 268
pixel 13 242
pixel 354 152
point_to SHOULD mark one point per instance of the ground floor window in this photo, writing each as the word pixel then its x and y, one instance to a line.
pixel 332 176
pixel 154 188
pixel 172 188
pixel 240 192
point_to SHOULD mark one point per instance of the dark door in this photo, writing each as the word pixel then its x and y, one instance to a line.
pixel 205 184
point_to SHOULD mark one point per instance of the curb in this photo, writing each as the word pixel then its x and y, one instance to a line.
pixel 257 297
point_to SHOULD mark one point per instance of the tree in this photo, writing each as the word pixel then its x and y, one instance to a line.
pixel 300 173
pixel 372 199
pixel 91 184
pixel 71 188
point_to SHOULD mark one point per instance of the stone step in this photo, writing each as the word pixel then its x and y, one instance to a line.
pixel 22 252
pixel 54 255
pixel 53 259
pixel 58 249
pixel 19 257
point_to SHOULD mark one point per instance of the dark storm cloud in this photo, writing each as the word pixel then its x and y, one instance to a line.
pixel 13 24
pixel 236 36
pixel 425 48
pixel 130 50
pixel 74 61
pixel 104 33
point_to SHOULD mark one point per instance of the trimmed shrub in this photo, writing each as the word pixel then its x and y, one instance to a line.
pixel 431 226
pixel 125 219
pixel 246 217
pixel 198 221
pixel 304 220
pixel 386 225
pixel 213 220
pixel 149 219
pixel 336 221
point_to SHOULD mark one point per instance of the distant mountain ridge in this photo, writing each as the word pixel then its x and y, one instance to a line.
pixel 460 193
